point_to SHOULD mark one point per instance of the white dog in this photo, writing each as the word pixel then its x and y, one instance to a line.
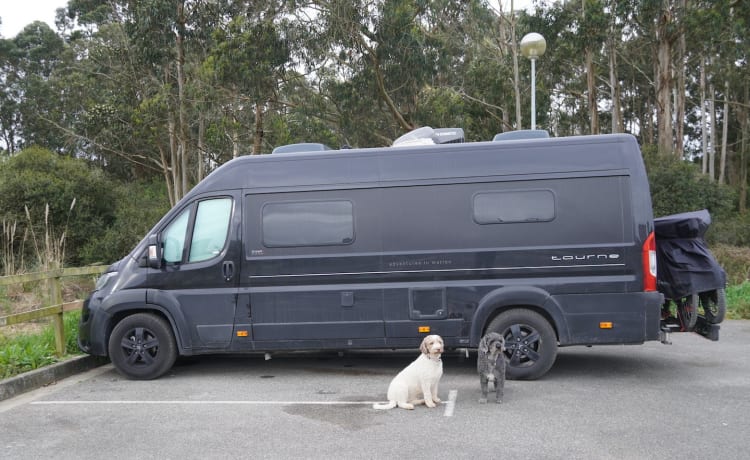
pixel 417 383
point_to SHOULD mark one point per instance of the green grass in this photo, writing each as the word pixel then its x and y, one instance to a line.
pixel 738 301
pixel 24 353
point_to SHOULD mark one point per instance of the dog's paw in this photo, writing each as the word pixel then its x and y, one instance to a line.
pixel 430 404
pixel 437 400
pixel 482 400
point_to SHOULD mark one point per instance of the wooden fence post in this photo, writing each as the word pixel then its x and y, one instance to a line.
pixel 55 298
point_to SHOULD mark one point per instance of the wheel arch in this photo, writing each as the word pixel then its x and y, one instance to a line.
pixel 512 297
pixel 125 310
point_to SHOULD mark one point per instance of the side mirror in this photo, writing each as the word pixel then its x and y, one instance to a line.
pixel 154 252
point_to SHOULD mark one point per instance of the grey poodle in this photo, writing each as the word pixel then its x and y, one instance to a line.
pixel 491 365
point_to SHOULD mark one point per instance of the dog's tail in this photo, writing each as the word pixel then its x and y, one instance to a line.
pixel 389 405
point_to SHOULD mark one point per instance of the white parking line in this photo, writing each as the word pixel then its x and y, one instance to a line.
pixel 204 402
pixel 451 404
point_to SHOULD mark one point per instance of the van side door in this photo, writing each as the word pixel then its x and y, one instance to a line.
pixel 311 273
pixel 197 282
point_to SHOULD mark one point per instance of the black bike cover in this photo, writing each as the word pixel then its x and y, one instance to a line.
pixel 684 263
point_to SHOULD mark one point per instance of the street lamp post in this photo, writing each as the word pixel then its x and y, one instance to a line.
pixel 533 46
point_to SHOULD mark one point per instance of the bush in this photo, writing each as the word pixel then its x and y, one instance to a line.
pixel 47 183
pixel 137 207
pixel 678 186
pixel 735 260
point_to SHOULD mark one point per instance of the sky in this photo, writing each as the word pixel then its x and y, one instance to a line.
pixel 17 14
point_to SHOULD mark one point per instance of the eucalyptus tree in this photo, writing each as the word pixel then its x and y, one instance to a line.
pixel 385 53
pixel 248 61
pixel 28 105
pixel 10 96
pixel 147 54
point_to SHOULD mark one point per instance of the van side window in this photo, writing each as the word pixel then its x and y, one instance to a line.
pixel 211 228
pixel 209 231
pixel 514 206
pixel 174 237
pixel 322 223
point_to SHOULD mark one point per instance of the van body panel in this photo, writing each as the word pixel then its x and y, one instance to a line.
pixel 370 248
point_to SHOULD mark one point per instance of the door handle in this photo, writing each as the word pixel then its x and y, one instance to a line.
pixel 227 269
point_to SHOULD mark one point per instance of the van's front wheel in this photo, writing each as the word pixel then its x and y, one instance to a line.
pixel 142 346
pixel 530 342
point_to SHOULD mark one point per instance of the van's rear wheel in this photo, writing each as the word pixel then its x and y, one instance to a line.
pixel 142 346
pixel 530 342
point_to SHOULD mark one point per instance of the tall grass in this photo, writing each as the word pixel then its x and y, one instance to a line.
pixel 738 301
pixel 23 353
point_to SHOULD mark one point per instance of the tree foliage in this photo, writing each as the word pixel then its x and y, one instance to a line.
pixel 49 195
pixel 167 90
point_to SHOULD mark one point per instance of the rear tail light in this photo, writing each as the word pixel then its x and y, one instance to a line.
pixel 649 263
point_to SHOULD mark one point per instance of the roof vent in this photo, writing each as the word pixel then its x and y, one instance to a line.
pixel 521 134
pixel 302 147
pixel 428 136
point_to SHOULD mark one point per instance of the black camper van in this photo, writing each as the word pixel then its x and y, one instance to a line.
pixel 548 241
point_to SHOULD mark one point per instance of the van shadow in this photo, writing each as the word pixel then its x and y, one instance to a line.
pixel 619 364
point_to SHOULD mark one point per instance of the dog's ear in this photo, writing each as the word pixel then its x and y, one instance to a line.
pixel 424 347
pixel 483 348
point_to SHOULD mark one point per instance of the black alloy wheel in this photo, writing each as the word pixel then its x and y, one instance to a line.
pixel 142 346
pixel 530 342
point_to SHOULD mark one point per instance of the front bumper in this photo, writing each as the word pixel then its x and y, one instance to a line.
pixel 92 328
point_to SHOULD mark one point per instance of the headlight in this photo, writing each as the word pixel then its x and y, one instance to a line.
pixel 103 280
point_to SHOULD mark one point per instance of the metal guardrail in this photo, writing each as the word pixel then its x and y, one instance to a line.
pixel 53 304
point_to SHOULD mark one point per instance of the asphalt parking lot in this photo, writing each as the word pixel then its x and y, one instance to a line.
pixel 689 400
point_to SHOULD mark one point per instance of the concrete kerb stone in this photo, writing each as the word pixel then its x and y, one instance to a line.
pixel 38 378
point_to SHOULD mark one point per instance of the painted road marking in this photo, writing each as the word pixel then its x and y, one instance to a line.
pixel 451 404
pixel 199 402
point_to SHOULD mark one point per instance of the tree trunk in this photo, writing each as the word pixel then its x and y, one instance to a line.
pixel 591 91
pixel 235 139
pixel 614 87
pixel 712 134
pixel 704 119
pixel 680 91
pixel 173 165
pixel 258 138
pixel 724 134
pixel 200 154
pixel 167 175
pixel 183 136
pixel 744 132
pixel 664 82
pixel 514 55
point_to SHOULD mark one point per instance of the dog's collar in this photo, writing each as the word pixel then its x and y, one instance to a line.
pixel 436 359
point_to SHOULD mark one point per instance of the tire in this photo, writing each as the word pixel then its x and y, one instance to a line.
pixel 687 312
pixel 714 305
pixel 530 342
pixel 142 346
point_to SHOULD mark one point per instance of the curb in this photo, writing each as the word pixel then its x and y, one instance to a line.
pixel 38 378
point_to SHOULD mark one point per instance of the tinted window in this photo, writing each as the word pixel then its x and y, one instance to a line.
pixel 209 235
pixel 514 206
pixel 308 224
pixel 174 237
pixel 210 230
